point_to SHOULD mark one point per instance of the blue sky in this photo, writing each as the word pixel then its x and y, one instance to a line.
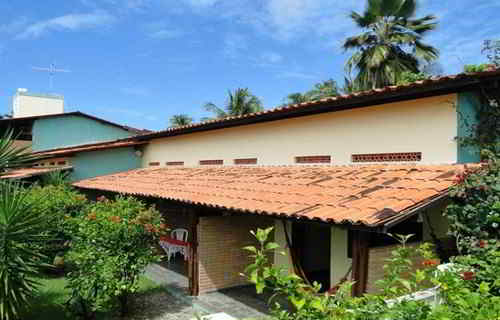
pixel 138 62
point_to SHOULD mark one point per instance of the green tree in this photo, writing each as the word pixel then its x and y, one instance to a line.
pixel 239 102
pixel 295 98
pixel 321 90
pixel 390 44
pixel 180 120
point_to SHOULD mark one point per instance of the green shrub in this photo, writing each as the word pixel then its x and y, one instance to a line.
pixel 474 213
pixel 112 245
pixel 471 68
pixel 459 300
pixel 483 266
pixel 60 202
pixel 22 234
pixel 408 77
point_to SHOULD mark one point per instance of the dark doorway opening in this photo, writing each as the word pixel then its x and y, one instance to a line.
pixel 311 243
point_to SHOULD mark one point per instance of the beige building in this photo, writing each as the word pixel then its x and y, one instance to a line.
pixel 332 177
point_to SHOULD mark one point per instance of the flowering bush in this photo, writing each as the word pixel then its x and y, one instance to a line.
pixel 481 267
pixel 112 245
pixel 58 203
pixel 459 301
pixel 474 213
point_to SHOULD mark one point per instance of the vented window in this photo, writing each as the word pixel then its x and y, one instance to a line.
pixel 313 159
pixel 154 164
pixel 245 161
pixel 211 162
pixel 174 163
pixel 388 157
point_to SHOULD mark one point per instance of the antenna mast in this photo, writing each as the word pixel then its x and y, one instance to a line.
pixel 52 70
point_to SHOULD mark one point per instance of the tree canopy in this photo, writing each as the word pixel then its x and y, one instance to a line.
pixel 391 44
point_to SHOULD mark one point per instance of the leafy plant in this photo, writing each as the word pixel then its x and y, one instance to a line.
pixel 22 235
pixel 11 156
pixel 471 68
pixel 408 77
pixel 55 178
pixel 309 304
pixel 112 245
pixel 61 202
pixel 474 212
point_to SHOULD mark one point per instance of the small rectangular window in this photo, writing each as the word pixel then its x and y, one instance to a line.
pixel 245 161
pixel 174 163
pixel 313 159
pixel 211 162
pixel 61 163
pixel 154 164
pixel 388 157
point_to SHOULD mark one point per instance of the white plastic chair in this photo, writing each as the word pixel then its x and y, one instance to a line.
pixel 181 235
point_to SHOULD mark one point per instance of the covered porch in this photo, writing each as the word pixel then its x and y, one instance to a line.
pixel 325 217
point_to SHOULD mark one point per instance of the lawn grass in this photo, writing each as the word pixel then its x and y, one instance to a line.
pixel 49 305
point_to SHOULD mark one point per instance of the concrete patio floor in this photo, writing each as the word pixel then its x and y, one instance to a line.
pixel 175 303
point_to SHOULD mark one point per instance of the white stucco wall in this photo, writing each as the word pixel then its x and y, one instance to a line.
pixel 34 105
pixel 426 125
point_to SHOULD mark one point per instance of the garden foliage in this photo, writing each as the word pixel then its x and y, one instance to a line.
pixel 22 237
pixel 459 300
pixel 111 247
pixel 474 213
pixel 60 202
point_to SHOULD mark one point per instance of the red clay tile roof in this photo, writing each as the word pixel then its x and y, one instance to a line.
pixel 370 195
pixel 430 87
pixel 88 147
pixel 30 172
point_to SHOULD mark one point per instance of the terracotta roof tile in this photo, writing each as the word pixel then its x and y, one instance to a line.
pixel 30 172
pixel 369 195
pixel 87 147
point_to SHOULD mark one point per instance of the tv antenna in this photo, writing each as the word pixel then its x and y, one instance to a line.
pixel 52 70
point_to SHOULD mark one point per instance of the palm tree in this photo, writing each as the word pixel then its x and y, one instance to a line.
pixel 180 120
pixel 22 231
pixel 323 89
pixel 295 98
pixel 391 44
pixel 10 156
pixel 239 102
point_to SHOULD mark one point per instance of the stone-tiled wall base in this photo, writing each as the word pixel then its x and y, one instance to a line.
pixel 221 258
pixel 377 260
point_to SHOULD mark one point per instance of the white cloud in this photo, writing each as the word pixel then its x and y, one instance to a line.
pixel 72 22
pixel 166 34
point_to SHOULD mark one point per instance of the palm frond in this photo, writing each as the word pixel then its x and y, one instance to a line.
pixel 12 156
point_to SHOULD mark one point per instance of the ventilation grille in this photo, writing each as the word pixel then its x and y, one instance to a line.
pixel 174 163
pixel 388 157
pixel 211 162
pixel 313 159
pixel 245 161
pixel 154 164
